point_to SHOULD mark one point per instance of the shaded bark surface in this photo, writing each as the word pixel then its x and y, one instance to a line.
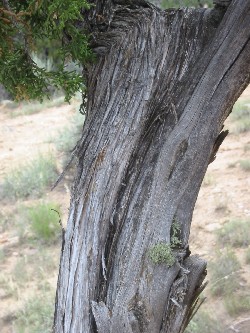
pixel 4 94
pixel 158 95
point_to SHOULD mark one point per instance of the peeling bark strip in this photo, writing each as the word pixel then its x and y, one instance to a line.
pixel 158 95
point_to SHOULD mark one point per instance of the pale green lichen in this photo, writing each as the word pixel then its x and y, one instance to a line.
pixel 162 253
pixel 175 234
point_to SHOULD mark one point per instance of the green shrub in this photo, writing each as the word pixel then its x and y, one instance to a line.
pixel 208 180
pixel 6 220
pixel 2 256
pixel 35 267
pixel 68 136
pixel 44 221
pixel 9 286
pixel 241 117
pixel 245 165
pixel 8 104
pixel 203 323
pixel 237 304
pixel 27 109
pixel 247 148
pixel 224 273
pixel 35 107
pixel 42 263
pixel 30 179
pixel 235 233
pixel 20 273
pixel 36 315
pixel 184 3
pixel 248 256
pixel 241 110
pixel 242 126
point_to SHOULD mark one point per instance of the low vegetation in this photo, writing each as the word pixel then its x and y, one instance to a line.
pixel 20 272
pixel 34 267
pixel 34 271
pixel 241 117
pixel 208 180
pixel 245 165
pixel 184 3
pixel 6 220
pixel 2 256
pixel 221 204
pixel 30 108
pixel 247 256
pixel 237 304
pixel 236 233
pixel 44 220
pixel 29 281
pixel 30 179
pixel 67 137
pixel 203 323
pixel 36 315
pixel 246 147
pixel 39 222
pixel 8 286
pixel 225 273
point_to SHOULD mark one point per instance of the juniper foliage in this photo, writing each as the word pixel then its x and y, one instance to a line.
pixel 25 27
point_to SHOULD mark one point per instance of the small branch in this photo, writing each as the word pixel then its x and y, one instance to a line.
pixel 60 221
pixel 61 176
pixel 242 321
pixel 14 18
pixel 225 277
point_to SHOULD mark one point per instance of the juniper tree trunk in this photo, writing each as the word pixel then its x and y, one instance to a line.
pixel 158 94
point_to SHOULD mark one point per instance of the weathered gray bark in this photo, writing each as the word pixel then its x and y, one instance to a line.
pixel 158 96
pixel 4 94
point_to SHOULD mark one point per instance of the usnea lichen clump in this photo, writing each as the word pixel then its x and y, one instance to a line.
pixel 175 231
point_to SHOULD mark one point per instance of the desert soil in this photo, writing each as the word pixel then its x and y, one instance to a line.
pixel 224 195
